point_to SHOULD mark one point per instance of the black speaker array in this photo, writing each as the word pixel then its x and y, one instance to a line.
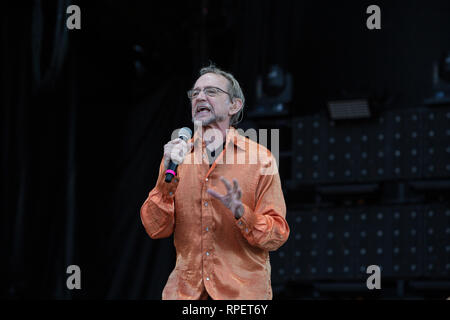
pixel 436 144
pixel 405 144
pixel 339 244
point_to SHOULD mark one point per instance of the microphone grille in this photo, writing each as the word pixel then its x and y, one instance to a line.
pixel 185 133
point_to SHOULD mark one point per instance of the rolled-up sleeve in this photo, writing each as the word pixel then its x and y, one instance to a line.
pixel 158 210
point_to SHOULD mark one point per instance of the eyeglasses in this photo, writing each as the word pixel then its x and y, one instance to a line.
pixel 209 91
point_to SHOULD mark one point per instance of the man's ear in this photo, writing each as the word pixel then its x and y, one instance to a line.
pixel 237 105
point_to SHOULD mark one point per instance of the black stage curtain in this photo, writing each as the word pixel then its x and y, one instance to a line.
pixel 82 131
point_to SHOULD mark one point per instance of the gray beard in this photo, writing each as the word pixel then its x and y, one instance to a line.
pixel 213 119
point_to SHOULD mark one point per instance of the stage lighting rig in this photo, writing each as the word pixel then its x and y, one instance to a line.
pixel 273 93
pixel 441 82
pixel 349 109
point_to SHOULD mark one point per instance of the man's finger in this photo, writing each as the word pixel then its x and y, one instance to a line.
pixel 227 184
pixel 239 193
pixel 214 194
pixel 235 186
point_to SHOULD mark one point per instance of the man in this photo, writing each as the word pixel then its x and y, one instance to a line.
pixel 226 215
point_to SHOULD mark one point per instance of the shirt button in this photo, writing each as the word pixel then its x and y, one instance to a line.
pixel 206 204
pixel 207 278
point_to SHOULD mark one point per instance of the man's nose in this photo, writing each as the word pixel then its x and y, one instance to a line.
pixel 201 95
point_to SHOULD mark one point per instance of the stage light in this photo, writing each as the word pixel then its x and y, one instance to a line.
pixel 349 109
pixel 444 67
pixel 273 93
pixel 441 82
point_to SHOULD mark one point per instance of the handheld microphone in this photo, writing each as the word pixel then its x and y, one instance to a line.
pixel 185 134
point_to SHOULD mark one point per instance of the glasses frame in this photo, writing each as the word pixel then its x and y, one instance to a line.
pixel 190 92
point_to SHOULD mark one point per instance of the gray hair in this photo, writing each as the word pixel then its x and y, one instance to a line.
pixel 234 90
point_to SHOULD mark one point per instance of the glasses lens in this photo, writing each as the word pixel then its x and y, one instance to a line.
pixel 211 91
pixel 193 93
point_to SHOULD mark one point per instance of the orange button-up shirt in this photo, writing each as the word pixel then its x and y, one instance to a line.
pixel 217 254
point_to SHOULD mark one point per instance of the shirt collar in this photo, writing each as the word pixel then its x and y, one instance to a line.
pixel 233 136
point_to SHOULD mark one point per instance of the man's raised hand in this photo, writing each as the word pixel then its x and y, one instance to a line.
pixel 232 199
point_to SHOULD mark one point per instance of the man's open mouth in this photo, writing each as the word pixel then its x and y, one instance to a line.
pixel 203 110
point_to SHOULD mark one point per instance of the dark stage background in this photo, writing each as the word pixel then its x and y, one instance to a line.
pixel 85 114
